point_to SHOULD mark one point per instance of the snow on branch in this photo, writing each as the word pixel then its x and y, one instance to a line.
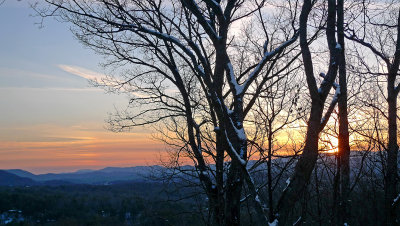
pixel 274 223
pixel 329 78
pixel 288 181
pixel 215 6
pixel 297 221
pixel 236 88
pixel 235 155
pixel 397 89
pixel 172 39
pixel 267 56
pixel 324 83
pixel 194 8
pixel 239 132
pixel 396 201
pixel 334 84
pixel 334 101
pixel 361 41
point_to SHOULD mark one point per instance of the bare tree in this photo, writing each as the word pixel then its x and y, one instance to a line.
pixel 316 122
pixel 344 146
pixel 380 34
pixel 277 110
pixel 180 66
pixel 201 71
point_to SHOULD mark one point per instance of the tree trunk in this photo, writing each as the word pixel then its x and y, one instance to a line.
pixel 304 167
pixel 219 211
pixel 392 153
pixel 336 192
pixel 344 146
pixel 233 194
pixel 269 168
pixel 392 149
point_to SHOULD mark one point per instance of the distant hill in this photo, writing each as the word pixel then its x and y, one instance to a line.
pixel 117 175
pixel 21 173
pixel 103 176
pixel 10 179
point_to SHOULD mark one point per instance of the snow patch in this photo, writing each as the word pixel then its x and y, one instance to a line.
pixel 274 223
pixel 242 161
pixel 396 200
pixel 297 221
pixel 230 112
pixel 201 70
pixel 238 88
pixel 287 184
pixel 288 181
pixel 267 56
pixel 337 93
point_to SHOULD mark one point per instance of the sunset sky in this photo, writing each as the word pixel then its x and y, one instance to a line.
pixel 52 120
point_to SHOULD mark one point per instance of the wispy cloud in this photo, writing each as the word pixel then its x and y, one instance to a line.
pixel 22 89
pixel 14 72
pixel 101 78
pixel 82 72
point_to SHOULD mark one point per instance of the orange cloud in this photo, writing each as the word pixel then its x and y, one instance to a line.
pixel 58 148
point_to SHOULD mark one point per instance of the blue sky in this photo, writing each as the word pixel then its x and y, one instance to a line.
pixel 30 75
pixel 52 120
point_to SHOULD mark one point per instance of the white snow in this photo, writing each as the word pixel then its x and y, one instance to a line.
pixel 266 57
pixel 274 223
pixel 287 184
pixel 177 42
pixel 168 36
pixel 238 88
pixel 335 85
pixel 242 162
pixel 297 221
pixel 216 3
pixel 396 200
pixel 239 132
pixel 201 69
pixel 337 93
pixel 208 25
pixel 288 181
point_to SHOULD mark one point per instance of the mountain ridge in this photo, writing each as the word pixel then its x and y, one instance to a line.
pixel 106 175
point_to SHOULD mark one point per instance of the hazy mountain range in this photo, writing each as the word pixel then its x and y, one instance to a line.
pixel 114 175
pixel 109 175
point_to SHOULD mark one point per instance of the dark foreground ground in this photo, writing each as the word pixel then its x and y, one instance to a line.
pixel 119 204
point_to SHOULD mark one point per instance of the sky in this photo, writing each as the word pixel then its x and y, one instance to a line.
pixel 51 118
